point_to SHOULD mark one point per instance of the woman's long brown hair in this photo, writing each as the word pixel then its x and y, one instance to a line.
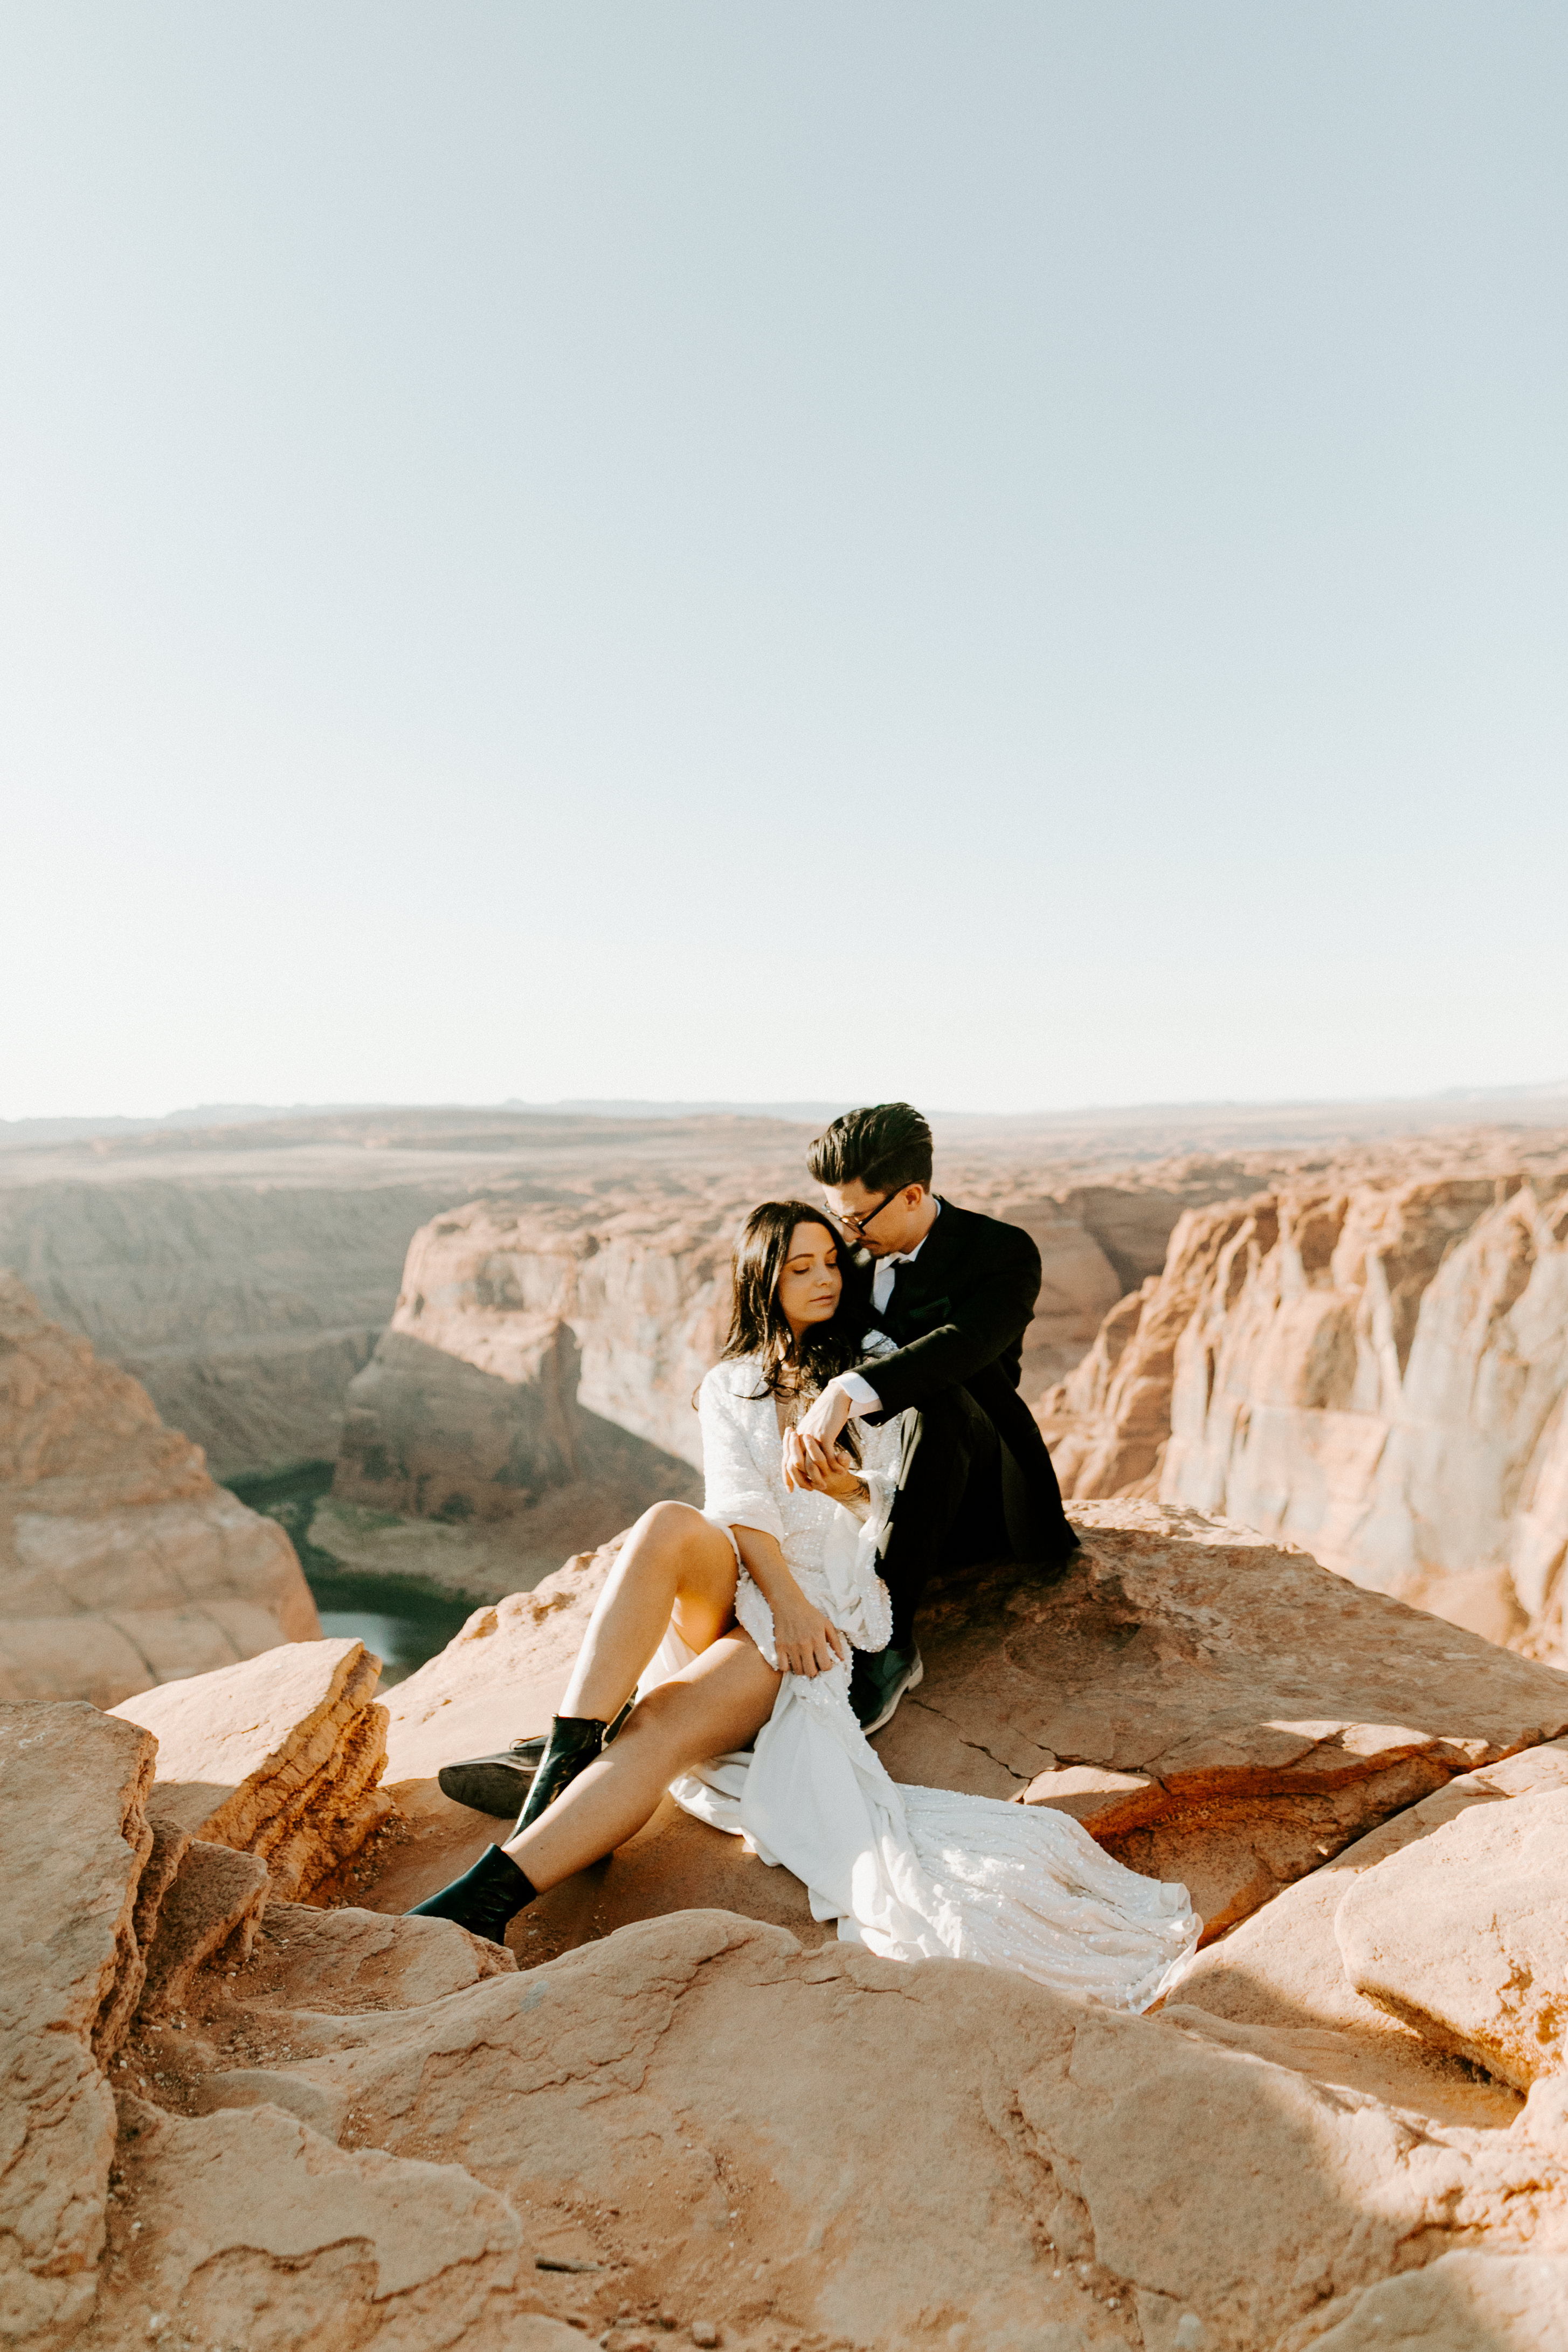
pixel 757 1323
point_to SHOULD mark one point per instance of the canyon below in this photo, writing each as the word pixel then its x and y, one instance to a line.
pixel 1304 1375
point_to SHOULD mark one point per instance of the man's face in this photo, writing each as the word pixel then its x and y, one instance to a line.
pixel 880 1223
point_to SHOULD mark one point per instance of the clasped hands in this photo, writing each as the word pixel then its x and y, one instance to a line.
pixel 813 1459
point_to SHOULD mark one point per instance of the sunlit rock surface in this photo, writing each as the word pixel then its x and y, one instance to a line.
pixel 675 2111
pixel 280 1758
pixel 1378 1372
pixel 121 1564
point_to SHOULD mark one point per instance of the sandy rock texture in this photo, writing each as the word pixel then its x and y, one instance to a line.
pixel 673 2125
pixel 280 1758
pixel 1464 2302
pixel 121 1564
pixel 1283 1969
pixel 343 2127
pixel 1378 1371
pixel 73 1837
pixel 1465 1937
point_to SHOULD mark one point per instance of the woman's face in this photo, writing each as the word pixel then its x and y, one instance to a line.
pixel 809 1286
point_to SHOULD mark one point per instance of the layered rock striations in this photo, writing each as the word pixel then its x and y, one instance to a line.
pixel 279 1758
pixel 121 1564
pixel 1379 1373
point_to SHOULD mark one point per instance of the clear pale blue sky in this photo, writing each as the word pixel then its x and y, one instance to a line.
pixel 1009 553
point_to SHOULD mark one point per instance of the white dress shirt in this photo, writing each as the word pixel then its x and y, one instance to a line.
pixel 863 1397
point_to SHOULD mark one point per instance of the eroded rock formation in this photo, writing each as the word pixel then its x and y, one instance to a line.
pixel 121 1564
pixel 74 1837
pixel 1377 1372
pixel 349 2128
pixel 245 1272
pixel 279 1758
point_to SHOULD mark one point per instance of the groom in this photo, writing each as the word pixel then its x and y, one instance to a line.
pixel 955 1292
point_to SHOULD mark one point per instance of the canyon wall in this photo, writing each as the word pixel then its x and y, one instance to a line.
pixel 244 1307
pixel 1378 1372
pixel 121 1564
pixel 245 1272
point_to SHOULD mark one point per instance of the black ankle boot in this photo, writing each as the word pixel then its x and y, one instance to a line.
pixel 574 1741
pixel 484 1898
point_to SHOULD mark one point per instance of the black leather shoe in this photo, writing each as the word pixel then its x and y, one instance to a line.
pixel 574 1741
pixel 878 1680
pixel 484 1898
pixel 499 1784
pixel 495 1784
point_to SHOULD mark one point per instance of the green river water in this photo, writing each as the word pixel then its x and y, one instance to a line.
pixel 402 1621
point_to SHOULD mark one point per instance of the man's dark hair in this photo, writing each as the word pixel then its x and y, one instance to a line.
pixel 884 1149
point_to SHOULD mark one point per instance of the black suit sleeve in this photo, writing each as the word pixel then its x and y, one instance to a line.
pixel 994 1313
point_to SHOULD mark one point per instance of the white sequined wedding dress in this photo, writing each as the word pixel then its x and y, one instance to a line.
pixel 913 1873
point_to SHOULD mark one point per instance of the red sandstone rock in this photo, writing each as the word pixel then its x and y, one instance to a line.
pixel 122 1565
pixel 1465 1936
pixel 73 1839
pixel 280 1756
pixel 375 2133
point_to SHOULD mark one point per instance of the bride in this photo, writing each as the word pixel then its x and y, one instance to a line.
pixel 717 1665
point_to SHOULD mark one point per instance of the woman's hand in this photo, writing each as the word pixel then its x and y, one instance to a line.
pixel 828 1470
pixel 821 1423
pixel 804 1641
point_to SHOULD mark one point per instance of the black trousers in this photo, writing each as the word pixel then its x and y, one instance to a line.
pixel 963 1499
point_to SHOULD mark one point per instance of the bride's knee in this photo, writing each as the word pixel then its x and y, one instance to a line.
pixel 665 1527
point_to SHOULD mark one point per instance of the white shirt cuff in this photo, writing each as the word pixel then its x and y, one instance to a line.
pixel 863 1397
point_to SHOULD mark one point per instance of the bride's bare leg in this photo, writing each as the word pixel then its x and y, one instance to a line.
pixel 719 1702
pixel 673 1564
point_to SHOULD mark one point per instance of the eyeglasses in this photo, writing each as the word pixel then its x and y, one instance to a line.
pixel 858 1225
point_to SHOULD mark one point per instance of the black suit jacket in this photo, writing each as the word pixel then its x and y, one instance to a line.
pixel 958 1315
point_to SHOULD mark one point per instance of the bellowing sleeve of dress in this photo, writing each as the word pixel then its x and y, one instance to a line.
pixel 739 1490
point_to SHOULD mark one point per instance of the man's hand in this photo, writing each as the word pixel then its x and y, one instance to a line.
pixel 823 1423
